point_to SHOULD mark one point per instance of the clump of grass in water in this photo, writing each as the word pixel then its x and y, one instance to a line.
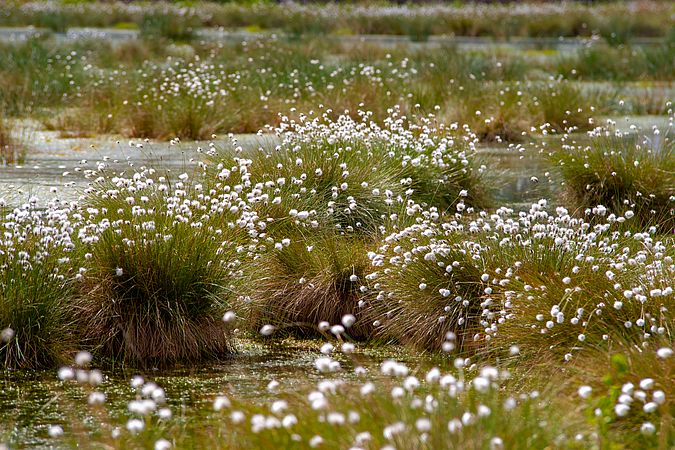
pixel 620 64
pixel 625 173
pixel 36 288
pixel 310 280
pixel 172 27
pixel 494 111
pixel 163 266
pixel 37 74
pixel 570 288
pixel 333 186
pixel 326 198
pixel 562 105
pixel 377 165
pixel 428 289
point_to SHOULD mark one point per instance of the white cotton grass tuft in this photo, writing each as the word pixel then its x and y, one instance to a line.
pixel 348 320
pixel 7 334
pixel 55 431
pixel 585 391
pixel 221 402
pixel 135 426
pixel 267 330
pixel 664 352
pixel 83 358
pixel 162 444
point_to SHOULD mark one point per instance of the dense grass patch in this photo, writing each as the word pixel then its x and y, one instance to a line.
pixel 162 89
pixel 427 289
pixel 629 175
pixel 616 23
pixel 36 288
pixel 620 64
pixel 333 188
pixel 570 293
pixel 34 76
pixel 163 266
pixel 315 278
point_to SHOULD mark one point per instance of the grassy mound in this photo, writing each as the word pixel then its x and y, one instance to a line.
pixel 36 284
pixel 163 267
pixel 571 288
pixel 311 280
pixel 626 174
pixel 331 188
pixel 427 290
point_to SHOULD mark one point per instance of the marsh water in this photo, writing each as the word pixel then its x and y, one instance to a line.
pixel 31 401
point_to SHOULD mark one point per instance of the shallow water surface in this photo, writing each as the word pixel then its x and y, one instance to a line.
pixel 32 401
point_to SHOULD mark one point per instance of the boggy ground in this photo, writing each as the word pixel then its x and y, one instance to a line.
pixel 164 89
pixel 472 255
pixel 486 317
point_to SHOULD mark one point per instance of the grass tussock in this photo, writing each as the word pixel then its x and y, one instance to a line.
pixel 161 272
pixel 35 75
pixel 629 175
pixel 309 281
pixel 36 288
pixel 640 384
pixel 563 106
pixel 427 289
pixel 333 188
pixel 554 315
pixel 571 288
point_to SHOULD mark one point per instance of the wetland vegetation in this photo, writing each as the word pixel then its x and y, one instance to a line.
pixel 278 235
